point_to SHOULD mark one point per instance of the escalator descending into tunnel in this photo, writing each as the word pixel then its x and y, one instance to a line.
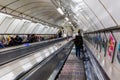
pixel 9 55
pixel 86 68
pixel 64 65
pixel 73 69
pixel 46 68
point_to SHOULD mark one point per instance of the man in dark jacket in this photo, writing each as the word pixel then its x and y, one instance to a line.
pixel 78 41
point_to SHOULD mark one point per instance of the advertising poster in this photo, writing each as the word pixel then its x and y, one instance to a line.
pixel 103 43
pixel 98 40
pixel 95 41
pixel 92 39
pixel 118 53
pixel 111 46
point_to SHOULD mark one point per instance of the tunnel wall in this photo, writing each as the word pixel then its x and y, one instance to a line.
pixel 106 48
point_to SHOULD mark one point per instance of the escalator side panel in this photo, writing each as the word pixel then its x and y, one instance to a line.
pixel 44 72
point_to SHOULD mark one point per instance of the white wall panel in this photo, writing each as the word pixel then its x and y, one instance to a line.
pixel 19 26
pixel 113 7
pixel 24 27
pixel 94 19
pixel 51 30
pixel 35 29
pixel 41 29
pixel 2 17
pixel 30 28
pixel 46 29
pixel 56 31
pixel 5 24
pixel 38 29
pixel 83 17
pixel 101 13
pixel 13 26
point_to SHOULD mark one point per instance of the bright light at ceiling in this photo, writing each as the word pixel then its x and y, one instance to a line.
pixel 66 19
pixel 6 15
pixel 69 22
pixel 60 11
pixel 77 1
pixel 26 20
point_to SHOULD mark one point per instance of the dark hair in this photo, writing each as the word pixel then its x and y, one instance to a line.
pixel 79 31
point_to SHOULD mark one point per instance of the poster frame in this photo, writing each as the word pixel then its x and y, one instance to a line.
pixel 113 56
pixel 106 44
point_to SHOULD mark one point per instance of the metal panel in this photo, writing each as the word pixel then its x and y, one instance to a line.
pixel 45 30
pixel 12 26
pixel 101 13
pixel 38 29
pixel 5 24
pixel 24 27
pixel 30 28
pixel 50 30
pixel 113 7
pixel 2 17
pixel 23 8
pixel 19 26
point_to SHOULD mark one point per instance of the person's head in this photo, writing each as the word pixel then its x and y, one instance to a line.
pixel 17 36
pixel 79 33
pixel 11 37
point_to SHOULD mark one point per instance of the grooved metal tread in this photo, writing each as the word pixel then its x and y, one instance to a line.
pixel 73 69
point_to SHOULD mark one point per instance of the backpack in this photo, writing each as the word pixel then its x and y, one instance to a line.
pixel 78 41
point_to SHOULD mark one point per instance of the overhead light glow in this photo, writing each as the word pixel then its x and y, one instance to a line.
pixel 66 19
pixel 26 20
pixel 60 11
pixel 7 15
pixel 77 1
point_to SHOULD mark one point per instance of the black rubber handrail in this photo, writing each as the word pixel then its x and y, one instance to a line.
pixel 95 64
pixel 9 56
pixel 44 69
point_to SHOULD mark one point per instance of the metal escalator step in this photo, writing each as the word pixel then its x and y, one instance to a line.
pixel 73 69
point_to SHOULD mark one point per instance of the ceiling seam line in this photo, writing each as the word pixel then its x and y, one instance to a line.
pixel 94 14
pixel 108 12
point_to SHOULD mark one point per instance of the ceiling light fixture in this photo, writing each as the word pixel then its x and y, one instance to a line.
pixel 60 11
pixel 66 19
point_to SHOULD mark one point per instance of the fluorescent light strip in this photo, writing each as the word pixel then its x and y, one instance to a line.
pixel 66 19
pixel 60 11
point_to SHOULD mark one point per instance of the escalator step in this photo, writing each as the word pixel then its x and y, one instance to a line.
pixel 73 69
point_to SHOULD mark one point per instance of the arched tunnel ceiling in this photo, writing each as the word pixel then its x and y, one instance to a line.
pixel 92 15
pixel 43 10
pixel 89 15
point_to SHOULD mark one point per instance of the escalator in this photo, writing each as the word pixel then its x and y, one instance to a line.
pixel 16 67
pixel 49 66
pixel 59 64
pixel 70 67
pixel 73 69
pixel 9 55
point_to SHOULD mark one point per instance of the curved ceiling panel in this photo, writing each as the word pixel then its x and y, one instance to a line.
pixel 43 10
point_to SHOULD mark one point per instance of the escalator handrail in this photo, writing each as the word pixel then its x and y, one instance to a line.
pixel 101 75
pixel 13 55
pixel 30 44
pixel 30 72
